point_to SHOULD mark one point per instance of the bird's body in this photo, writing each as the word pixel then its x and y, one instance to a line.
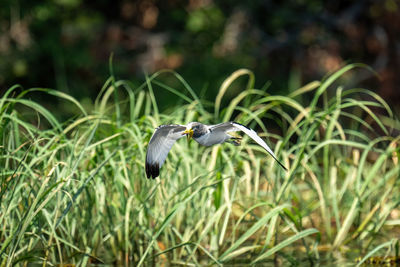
pixel 207 135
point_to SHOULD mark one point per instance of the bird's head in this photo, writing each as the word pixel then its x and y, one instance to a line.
pixel 194 129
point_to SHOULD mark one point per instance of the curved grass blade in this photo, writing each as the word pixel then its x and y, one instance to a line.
pixel 225 85
pixel 257 226
pixel 40 109
pixel 285 243
pixel 80 189
pixel 372 252
pixel 59 94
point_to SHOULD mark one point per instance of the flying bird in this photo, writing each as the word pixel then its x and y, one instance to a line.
pixel 165 136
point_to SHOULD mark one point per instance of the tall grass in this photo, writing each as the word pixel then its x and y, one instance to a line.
pixel 75 192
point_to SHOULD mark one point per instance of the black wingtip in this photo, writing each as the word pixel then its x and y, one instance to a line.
pixel 282 165
pixel 152 170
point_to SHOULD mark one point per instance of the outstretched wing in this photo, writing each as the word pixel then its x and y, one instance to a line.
pixel 234 126
pixel 160 144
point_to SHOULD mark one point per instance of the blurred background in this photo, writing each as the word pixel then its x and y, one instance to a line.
pixel 66 44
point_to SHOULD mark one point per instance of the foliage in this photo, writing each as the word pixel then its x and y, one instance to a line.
pixel 65 44
pixel 76 192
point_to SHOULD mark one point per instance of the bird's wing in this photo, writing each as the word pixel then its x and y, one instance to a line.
pixel 160 144
pixel 234 126
pixel 224 127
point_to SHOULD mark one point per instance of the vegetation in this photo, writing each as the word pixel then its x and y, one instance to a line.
pixel 75 192
pixel 65 44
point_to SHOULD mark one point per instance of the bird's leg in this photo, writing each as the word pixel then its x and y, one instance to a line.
pixel 235 140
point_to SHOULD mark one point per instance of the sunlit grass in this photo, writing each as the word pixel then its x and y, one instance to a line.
pixel 75 192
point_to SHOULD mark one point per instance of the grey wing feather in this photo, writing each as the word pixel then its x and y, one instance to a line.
pixel 160 144
pixel 224 127
pixel 234 126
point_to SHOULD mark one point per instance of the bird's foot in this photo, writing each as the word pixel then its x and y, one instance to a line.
pixel 235 141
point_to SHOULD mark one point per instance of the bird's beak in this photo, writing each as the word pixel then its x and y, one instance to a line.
pixel 189 133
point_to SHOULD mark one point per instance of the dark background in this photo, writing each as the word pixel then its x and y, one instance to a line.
pixel 66 44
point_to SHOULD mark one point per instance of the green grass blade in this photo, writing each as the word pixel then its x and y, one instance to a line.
pixel 372 252
pixel 226 84
pixel 285 243
pixel 257 226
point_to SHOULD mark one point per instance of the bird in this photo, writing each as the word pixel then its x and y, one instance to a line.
pixel 165 136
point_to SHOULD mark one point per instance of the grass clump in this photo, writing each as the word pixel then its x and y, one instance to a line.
pixel 75 192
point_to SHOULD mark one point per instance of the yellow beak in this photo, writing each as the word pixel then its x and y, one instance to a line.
pixel 189 133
